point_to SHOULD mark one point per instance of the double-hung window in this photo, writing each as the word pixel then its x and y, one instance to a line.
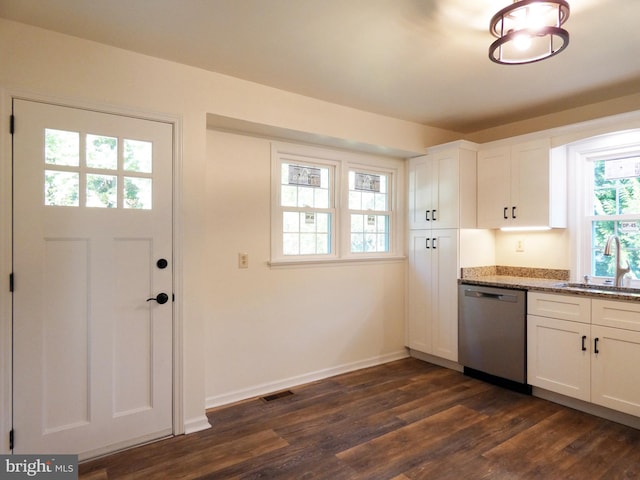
pixel 306 207
pixel 369 211
pixel 615 193
pixel 611 203
pixel 330 205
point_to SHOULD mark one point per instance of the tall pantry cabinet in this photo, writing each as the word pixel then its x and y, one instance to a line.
pixel 442 200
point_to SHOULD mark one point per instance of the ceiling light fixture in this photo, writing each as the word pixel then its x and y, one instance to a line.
pixel 529 31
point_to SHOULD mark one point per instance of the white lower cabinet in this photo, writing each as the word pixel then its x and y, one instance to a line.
pixel 585 357
pixel 614 370
pixel 556 360
pixel 433 294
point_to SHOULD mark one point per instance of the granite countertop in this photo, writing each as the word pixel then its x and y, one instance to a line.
pixel 552 281
pixel 507 281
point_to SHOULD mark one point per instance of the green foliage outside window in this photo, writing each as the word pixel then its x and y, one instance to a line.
pixel 616 210
pixel 63 177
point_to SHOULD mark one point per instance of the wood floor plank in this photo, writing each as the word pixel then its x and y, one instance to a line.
pixel 544 447
pixel 406 420
pixel 440 399
pixel 202 461
pixel 391 453
pixel 461 455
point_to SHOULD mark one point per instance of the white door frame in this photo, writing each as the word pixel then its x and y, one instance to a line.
pixel 6 250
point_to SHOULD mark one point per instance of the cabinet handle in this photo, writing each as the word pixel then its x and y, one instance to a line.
pixel 427 243
pixel 513 212
pixel 433 243
pixel 595 345
pixel 584 339
pixel 504 213
pixel 433 215
pixel 427 215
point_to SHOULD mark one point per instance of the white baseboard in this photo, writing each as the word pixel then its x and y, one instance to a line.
pixel 270 387
pixel 198 424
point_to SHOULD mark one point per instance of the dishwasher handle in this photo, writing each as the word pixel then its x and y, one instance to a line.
pixel 501 297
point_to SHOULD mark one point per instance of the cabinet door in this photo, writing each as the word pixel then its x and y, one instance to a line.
pixel 433 304
pixel 556 360
pixel 446 193
pixel 494 187
pixel 530 184
pixel 418 325
pixel 444 294
pixel 421 192
pixel 614 369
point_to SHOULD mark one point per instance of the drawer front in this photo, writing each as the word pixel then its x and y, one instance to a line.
pixel 565 307
pixel 616 314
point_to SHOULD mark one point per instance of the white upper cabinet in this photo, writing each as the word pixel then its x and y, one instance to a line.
pixel 521 185
pixel 442 187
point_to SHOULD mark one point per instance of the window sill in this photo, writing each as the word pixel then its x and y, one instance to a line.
pixel 334 261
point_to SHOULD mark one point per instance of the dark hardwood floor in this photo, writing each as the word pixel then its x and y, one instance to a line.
pixel 403 420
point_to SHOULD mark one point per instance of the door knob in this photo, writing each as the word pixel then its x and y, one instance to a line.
pixel 161 298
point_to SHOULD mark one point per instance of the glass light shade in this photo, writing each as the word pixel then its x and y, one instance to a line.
pixel 529 31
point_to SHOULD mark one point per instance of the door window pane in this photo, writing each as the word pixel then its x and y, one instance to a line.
pixel 102 152
pixel 137 193
pixel 137 156
pixel 61 147
pixel 61 188
pixel 68 173
pixel 102 191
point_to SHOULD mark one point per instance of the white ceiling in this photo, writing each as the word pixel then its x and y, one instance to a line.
pixel 419 60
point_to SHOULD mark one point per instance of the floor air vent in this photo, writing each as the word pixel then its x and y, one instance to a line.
pixel 276 396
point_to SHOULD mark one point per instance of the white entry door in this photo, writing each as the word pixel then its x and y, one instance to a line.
pixel 93 309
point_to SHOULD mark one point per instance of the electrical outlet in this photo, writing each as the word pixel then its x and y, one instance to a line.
pixel 520 245
pixel 243 260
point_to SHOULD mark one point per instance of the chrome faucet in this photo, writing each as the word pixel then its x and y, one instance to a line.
pixel 620 270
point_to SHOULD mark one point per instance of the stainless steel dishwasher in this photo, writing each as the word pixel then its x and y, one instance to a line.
pixel 492 335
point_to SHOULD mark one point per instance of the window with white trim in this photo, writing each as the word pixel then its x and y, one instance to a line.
pixel 614 190
pixel 331 205
pixel 608 199
pixel 369 211
pixel 307 205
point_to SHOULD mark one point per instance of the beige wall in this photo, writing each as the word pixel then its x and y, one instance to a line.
pixel 272 327
pixel 584 113
pixel 550 249
pixel 41 63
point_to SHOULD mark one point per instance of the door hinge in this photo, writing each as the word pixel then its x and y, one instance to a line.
pixel 11 282
pixel 11 439
pixel 12 124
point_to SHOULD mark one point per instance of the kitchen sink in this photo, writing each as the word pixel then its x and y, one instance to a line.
pixel 597 288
